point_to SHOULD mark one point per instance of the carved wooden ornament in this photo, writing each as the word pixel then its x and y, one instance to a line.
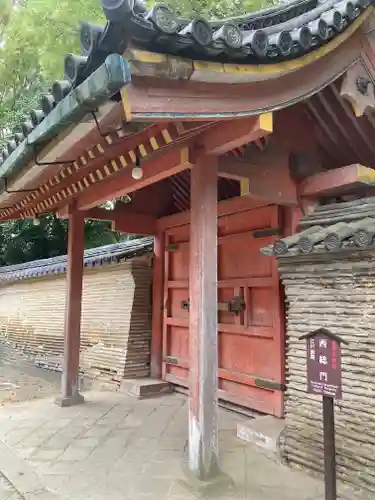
pixel 358 89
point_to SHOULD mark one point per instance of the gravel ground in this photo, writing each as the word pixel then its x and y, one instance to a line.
pixel 21 381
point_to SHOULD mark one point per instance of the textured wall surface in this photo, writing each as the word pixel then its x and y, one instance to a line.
pixel 116 319
pixel 338 295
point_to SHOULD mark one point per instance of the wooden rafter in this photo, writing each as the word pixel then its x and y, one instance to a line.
pixel 110 162
pixel 164 165
pixel 97 163
pixel 109 168
pixel 236 133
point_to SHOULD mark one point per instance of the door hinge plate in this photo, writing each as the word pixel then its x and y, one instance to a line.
pixel 270 231
pixel 272 385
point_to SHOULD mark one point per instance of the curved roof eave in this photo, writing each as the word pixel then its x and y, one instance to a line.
pixel 281 33
pixel 95 91
pixel 145 63
pixel 172 101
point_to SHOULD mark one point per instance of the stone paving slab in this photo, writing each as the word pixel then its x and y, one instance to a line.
pixel 117 447
pixel 7 490
pixel 18 481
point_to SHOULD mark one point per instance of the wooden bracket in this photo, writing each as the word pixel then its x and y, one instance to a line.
pixel 358 88
pixel 337 181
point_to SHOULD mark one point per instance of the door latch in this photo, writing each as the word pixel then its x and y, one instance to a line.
pixel 235 305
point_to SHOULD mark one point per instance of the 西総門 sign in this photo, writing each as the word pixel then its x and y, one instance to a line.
pixel 323 351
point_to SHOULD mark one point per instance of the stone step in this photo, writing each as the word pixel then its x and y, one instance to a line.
pixel 145 387
pixel 265 432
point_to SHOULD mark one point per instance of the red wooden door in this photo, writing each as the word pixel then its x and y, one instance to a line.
pixel 251 341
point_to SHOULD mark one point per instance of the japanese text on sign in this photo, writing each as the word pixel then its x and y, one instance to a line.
pixel 324 365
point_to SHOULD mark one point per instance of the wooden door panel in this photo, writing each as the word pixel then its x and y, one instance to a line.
pixel 232 265
pixel 244 354
pixel 258 218
pixel 245 395
pixel 178 263
pixel 176 296
pixel 176 349
pixel 251 342
pixel 260 301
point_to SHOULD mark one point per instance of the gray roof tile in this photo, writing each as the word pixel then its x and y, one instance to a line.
pixel 330 228
pixel 94 257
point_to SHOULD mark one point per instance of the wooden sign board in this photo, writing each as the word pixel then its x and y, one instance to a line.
pixel 324 363
pixel 323 350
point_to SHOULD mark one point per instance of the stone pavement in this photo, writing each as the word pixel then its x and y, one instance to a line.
pixel 116 447
pixel 7 490
pixel 20 380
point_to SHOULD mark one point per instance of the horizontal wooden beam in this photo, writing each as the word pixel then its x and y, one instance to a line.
pixel 229 135
pixel 175 160
pixel 337 181
pixel 225 207
pixel 124 220
pixel 271 183
pixel 135 224
pixel 98 213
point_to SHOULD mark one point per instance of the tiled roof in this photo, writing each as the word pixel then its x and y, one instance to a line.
pixel 331 228
pixel 94 257
pixel 284 32
pixel 67 106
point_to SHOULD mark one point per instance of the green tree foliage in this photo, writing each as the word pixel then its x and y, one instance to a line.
pixel 21 241
pixel 214 9
pixel 36 34
pixel 34 37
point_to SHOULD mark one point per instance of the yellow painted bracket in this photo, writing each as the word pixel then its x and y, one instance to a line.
pixel 126 105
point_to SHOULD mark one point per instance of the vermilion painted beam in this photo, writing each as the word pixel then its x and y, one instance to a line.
pixel 173 161
pixel 225 207
pixel 235 133
pixel 99 214
pixel 70 376
pixel 124 221
pixel 271 183
pixel 135 224
pixel 95 213
pixel 340 180
pixel 203 338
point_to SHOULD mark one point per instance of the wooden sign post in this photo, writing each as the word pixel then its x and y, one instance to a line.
pixel 323 350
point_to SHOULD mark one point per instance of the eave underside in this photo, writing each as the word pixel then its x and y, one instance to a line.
pixel 341 139
pixel 161 115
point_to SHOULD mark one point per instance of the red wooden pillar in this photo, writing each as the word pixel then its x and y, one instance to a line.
pixel 70 376
pixel 203 340
pixel 157 306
